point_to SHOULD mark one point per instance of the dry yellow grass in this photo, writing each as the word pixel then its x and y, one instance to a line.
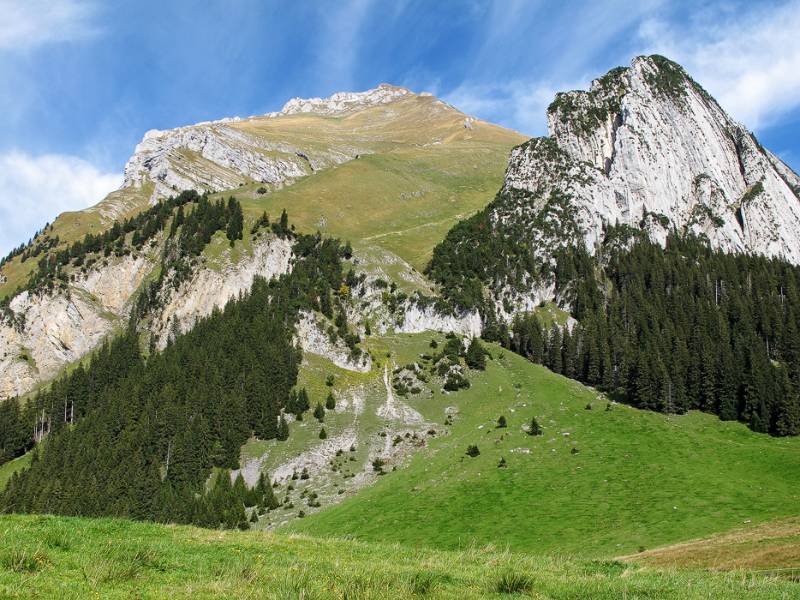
pixel 772 546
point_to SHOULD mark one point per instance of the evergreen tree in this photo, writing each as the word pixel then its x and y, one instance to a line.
pixel 534 428
pixel 476 355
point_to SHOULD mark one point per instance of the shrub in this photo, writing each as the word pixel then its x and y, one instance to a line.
pixel 472 450
pixel 501 422
pixel 323 434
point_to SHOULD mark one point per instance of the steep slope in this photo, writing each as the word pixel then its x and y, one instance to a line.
pixel 409 166
pixel 604 480
pixel 646 147
pixel 668 234
pixel 662 151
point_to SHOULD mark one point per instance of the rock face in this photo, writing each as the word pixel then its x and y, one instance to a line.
pixel 312 338
pixel 646 146
pixel 210 288
pixel 216 157
pixel 58 328
pixel 417 319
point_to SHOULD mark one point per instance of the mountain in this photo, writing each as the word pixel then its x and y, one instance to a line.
pixel 388 169
pixel 646 147
pixel 302 351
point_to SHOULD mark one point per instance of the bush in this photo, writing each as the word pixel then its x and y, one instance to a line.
pixel 501 422
pixel 472 450
pixel 323 434
pixel 455 382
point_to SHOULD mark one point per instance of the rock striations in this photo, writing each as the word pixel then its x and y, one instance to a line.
pixel 646 146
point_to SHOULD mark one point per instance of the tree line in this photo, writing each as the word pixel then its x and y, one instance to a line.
pixel 668 329
pixel 135 436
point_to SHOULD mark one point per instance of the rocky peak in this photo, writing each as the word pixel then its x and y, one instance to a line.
pixel 648 147
pixel 219 155
pixel 344 102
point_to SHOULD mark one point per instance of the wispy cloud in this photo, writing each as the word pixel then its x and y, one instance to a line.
pixel 531 50
pixel 338 51
pixel 36 189
pixel 748 58
pixel 519 104
pixel 27 24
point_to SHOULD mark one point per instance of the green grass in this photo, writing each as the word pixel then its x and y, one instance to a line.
pixel 12 466
pixel 50 557
pixel 638 479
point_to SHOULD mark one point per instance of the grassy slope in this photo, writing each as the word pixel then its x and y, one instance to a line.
pixel 11 467
pixel 639 479
pixel 773 546
pixel 49 557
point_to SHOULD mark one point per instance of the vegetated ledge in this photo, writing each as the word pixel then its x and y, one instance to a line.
pixel 48 556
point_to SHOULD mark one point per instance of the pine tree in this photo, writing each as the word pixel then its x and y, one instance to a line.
pixel 534 428
pixel 319 412
pixel 283 430
pixel 323 434
pixel 330 402
pixel 555 351
pixel 476 355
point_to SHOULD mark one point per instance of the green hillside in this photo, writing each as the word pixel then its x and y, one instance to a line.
pixel 49 557
pixel 609 480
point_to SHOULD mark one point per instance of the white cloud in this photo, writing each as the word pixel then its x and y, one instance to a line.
pixel 36 189
pixel 749 61
pixel 519 104
pixel 27 24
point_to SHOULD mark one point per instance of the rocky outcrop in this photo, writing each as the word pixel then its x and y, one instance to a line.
pixel 56 329
pixel 646 146
pixel 343 102
pixel 217 157
pixel 417 318
pixel 313 338
pixel 213 288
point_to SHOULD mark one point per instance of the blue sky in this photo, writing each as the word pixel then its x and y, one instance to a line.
pixel 81 81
